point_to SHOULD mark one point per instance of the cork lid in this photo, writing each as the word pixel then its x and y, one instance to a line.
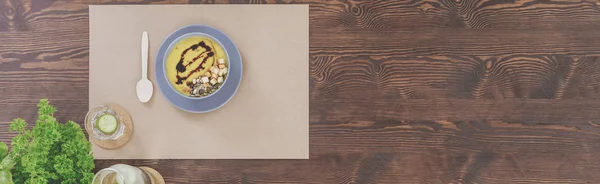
pixel 155 177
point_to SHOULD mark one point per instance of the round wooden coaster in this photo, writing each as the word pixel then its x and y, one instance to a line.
pixel 125 118
pixel 155 177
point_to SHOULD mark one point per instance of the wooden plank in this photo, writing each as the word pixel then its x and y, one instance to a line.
pixel 521 27
pixel 550 111
pixel 24 46
pixel 30 15
pixel 425 166
pixel 522 14
pixel 453 41
pixel 462 77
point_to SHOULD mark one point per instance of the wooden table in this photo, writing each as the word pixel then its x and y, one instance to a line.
pixel 423 91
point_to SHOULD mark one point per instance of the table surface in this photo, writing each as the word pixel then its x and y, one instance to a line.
pixel 423 91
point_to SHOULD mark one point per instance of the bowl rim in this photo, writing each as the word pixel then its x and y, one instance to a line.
pixel 168 51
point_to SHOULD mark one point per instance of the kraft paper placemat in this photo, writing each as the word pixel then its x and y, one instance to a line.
pixel 266 119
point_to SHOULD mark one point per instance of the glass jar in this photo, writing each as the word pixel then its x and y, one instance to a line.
pixel 91 123
pixel 122 174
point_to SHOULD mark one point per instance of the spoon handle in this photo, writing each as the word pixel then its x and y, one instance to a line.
pixel 145 55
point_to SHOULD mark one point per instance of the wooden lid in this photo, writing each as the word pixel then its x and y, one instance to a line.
pixel 155 177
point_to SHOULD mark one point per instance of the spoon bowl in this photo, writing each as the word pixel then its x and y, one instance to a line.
pixel 144 90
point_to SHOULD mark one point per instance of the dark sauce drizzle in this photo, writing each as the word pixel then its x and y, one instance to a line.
pixel 209 53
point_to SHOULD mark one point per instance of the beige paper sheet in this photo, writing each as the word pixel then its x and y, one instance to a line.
pixel 266 119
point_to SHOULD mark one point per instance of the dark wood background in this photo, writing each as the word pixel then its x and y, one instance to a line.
pixel 420 91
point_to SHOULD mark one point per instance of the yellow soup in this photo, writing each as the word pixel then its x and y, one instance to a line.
pixel 193 58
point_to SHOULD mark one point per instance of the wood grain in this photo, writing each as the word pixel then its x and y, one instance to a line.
pixel 422 91
pixel 453 41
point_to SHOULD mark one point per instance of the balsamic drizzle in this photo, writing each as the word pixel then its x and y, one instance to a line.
pixel 209 53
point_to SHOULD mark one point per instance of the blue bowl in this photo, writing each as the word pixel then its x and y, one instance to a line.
pixel 216 99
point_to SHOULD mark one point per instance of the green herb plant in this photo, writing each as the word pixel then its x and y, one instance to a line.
pixel 6 164
pixel 51 152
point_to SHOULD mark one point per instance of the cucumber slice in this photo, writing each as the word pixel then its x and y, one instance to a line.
pixel 107 124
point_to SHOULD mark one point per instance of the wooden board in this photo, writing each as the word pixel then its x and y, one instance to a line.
pixel 400 91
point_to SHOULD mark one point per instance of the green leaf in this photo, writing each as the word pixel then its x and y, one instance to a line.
pixel 3 150
pixel 6 177
pixel 18 125
pixel 7 163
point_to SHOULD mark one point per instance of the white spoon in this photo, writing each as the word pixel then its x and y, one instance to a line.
pixel 144 86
